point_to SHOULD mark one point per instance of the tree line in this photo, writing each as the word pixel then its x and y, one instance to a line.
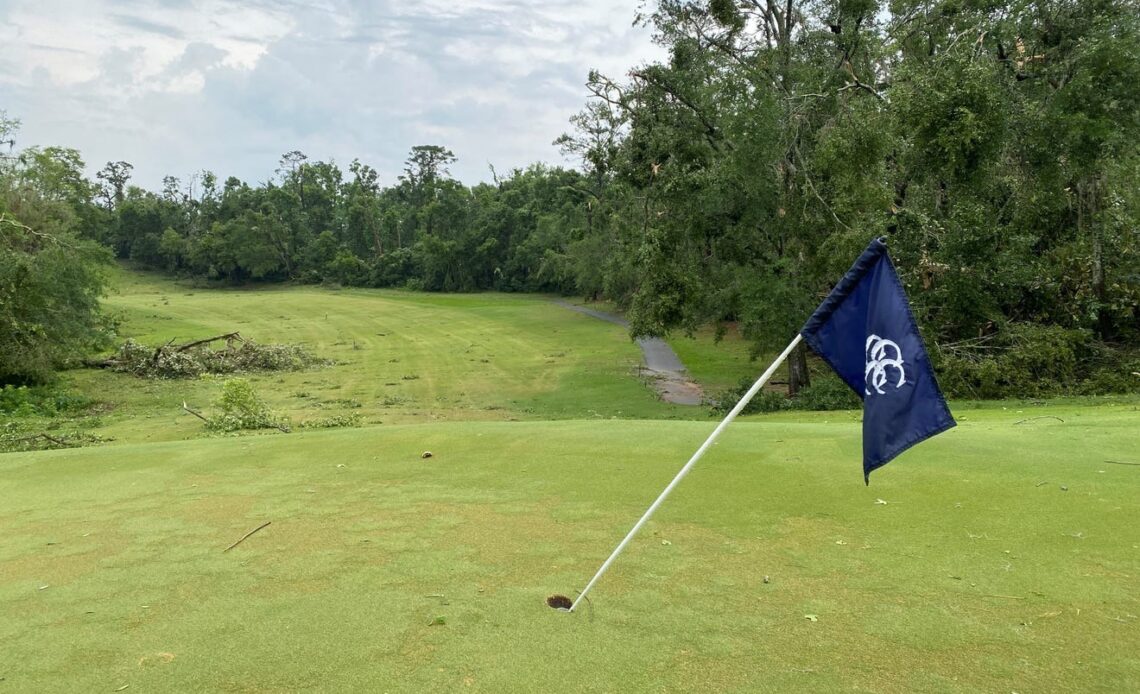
pixel 992 142
pixel 315 222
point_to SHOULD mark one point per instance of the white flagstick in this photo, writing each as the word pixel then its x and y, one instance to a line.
pixel 692 461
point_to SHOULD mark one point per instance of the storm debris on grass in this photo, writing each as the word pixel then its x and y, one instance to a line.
pixel 197 358
pixel 1030 419
pixel 241 408
pixel 333 422
pixel 13 442
pixel 243 537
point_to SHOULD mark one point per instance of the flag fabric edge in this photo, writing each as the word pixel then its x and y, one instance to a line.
pixel 835 302
pixel 928 370
pixel 910 443
pixel 843 288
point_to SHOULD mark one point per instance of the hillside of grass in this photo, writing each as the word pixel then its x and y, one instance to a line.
pixel 999 556
pixel 400 357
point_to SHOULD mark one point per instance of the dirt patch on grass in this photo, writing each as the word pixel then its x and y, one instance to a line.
pixel 310 553
pixel 508 544
pixel 219 510
pixel 60 554
pixel 675 387
pixel 48 570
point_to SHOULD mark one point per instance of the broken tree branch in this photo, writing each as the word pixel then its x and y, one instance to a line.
pixel 196 414
pixel 227 337
pixel 158 351
pixel 811 186
pixel 16 224
pixel 243 537
pixel 59 442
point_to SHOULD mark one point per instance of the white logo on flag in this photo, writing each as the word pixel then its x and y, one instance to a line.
pixel 882 355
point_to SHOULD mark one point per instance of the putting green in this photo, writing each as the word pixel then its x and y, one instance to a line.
pixel 999 556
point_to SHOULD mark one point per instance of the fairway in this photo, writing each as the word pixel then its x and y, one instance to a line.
pixel 400 357
pixel 1001 556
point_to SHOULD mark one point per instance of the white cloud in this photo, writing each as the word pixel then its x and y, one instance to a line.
pixel 68 38
pixel 175 87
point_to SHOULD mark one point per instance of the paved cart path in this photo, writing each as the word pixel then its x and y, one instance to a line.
pixel 662 364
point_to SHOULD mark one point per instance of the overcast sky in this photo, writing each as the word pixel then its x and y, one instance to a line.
pixel 176 86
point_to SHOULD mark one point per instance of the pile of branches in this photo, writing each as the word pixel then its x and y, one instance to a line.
pixel 15 442
pixel 196 358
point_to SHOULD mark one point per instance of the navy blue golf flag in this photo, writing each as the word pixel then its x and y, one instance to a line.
pixel 864 329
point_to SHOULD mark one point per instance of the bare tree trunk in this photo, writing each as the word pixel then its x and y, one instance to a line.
pixel 1087 206
pixel 798 377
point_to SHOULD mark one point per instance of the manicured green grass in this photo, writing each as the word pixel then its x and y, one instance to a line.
pixel 1004 559
pixel 401 357
pixel 1000 556
pixel 719 365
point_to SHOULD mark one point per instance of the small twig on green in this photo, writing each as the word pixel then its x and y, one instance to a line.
pixel 1120 462
pixel 243 537
pixel 1047 416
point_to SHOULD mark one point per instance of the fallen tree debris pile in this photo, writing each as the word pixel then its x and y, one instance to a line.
pixel 196 358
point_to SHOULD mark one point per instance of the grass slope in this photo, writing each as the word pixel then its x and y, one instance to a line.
pixel 1005 559
pixel 402 357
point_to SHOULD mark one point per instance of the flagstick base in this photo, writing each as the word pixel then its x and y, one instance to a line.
pixel 688 466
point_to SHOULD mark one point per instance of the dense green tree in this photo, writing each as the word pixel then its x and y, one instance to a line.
pixel 424 179
pixel 363 213
pixel 50 280
pixel 993 142
pixel 115 176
